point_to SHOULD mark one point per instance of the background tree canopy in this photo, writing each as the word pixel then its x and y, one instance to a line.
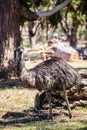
pixel 70 18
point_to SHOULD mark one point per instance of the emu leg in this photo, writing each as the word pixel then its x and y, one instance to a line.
pixel 67 102
pixel 50 106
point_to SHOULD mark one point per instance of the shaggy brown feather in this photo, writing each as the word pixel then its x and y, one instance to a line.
pixel 51 75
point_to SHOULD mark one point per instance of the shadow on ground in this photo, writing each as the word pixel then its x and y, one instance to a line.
pixel 10 83
pixel 31 115
pixel 27 116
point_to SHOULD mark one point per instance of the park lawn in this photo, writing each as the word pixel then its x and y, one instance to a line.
pixel 18 99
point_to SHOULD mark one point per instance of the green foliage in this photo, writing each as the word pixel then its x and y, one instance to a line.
pixel 75 9
pixel 26 3
pixel 84 6
pixel 55 19
pixel 73 13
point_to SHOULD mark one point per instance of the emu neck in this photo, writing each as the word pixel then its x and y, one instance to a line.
pixel 20 65
pixel 27 77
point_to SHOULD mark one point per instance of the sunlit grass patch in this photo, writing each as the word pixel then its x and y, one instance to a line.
pixel 81 109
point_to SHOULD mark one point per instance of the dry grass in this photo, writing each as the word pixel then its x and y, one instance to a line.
pixel 20 99
pixel 16 99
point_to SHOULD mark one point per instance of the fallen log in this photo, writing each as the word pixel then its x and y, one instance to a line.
pixel 61 50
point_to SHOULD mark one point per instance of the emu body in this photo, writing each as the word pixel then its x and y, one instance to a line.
pixel 51 75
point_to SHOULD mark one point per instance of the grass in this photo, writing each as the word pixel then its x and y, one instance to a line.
pixel 57 124
pixel 20 99
pixel 81 109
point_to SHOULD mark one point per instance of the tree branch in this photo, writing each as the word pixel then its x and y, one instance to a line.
pixel 31 31
pixel 54 10
pixel 64 28
pixel 27 14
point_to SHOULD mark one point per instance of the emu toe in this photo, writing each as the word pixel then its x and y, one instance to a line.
pixel 70 116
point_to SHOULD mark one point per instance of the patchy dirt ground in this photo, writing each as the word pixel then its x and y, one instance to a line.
pixel 17 105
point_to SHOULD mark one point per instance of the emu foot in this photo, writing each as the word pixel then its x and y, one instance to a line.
pixel 70 115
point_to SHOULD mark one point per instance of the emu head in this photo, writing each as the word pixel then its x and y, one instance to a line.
pixel 20 51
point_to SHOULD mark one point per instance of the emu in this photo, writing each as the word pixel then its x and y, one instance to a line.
pixel 51 75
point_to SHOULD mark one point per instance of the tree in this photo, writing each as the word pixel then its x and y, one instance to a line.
pixel 11 13
pixel 70 18
pixel 71 22
pixel 84 13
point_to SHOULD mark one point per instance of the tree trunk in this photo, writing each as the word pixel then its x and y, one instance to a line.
pixel 9 31
pixel 73 37
pixel 73 34
pixel 10 14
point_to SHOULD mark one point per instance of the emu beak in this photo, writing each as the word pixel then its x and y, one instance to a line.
pixel 20 49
